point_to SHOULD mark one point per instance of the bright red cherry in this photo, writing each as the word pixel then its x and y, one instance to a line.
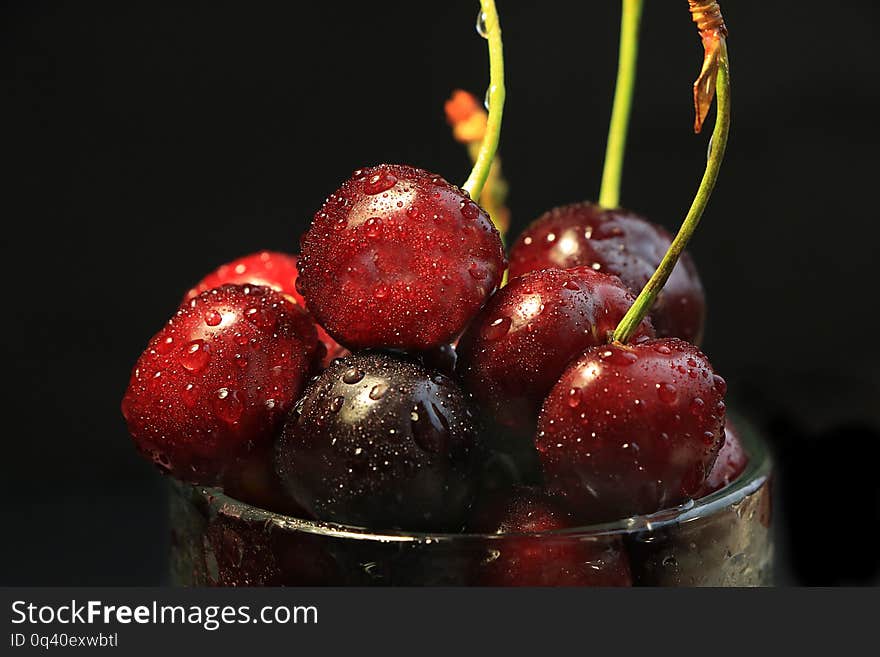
pixel 398 257
pixel 732 460
pixel 526 560
pixel 271 269
pixel 216 382
pixel 621 243
pixel 631 429
pixel 521 342
pixel 380 441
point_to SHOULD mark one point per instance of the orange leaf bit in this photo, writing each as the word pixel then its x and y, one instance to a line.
pixel 713 31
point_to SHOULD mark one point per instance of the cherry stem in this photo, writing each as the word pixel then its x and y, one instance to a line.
pixel 631 16
pixel 717 146
pixel 483 162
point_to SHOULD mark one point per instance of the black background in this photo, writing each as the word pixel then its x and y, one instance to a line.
pixel 148 142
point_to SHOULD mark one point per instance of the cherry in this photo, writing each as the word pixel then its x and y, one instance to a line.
pixel 271 269
pixel 398 257
pixel 524 560
pixel 518 346
pixel 621 243
pixel 631 429
pixel 732 460
pixel 218 379
pixel 381 441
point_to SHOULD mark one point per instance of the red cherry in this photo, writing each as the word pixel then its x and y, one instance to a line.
pixel 631 429
pixel 732 460
pixel 207 392
pixel 271 269
pixel 398 257
pixel 517 348
pixel 621 243
pixel 542 560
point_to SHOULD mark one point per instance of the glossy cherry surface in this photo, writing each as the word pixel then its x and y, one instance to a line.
pixel 398 257
pixel 621 243
pixel 631 429
pixel 518 346
pixel 218 379
pixel 270 269
pixel 732 460
pixel 560 560
pixel 381 441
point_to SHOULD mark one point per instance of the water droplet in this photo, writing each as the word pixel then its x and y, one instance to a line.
pixel 486 97
pixel 336 403
pixel 189 394
pixel 227 406
pixel 574 397
pixel 378 390
pixel 697 406
pixel 213 318
pixel 482 30
pixel 571 285
pixel 379 182
pixel 196 355
pixel 667 393
pixel 662 349
pixel 352 376
pixel 380 291
pixel 720 384
pixel 470 210
pixel 373 227
pixel 497 329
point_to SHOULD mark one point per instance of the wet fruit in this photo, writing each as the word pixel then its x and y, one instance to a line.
pixel 270 269
pixel 518 346
pixel 732 460
pixel 216 382
pixel 398 257
pixel 631 429
pixel 381 441
pixel 521 559
pixel 621 243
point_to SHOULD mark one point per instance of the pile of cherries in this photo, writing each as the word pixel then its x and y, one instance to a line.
pixel 385 378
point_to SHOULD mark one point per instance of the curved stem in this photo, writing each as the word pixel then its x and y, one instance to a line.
pixel 475 182
pixel 609 194
pixel 645 300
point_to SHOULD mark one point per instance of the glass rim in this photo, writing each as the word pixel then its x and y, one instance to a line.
pixel 755 475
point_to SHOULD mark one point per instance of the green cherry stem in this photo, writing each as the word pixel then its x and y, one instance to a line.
pixel 718 143
pixel 483 162
pixel 609 194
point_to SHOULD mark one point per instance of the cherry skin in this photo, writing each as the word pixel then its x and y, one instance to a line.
pixel 621 243
pixel 381 441
pixel 525 560
pixel 270 269
pixel 217 381
pixel 397 257
pixel 631 429
pixel 732 460
pixel 516 349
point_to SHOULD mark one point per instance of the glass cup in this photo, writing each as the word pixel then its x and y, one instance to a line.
pixel 722 539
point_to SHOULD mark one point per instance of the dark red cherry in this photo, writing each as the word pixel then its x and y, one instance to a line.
pixel 621 243
pixel 631 429
pixel 732 460
pixel 521 342
pixel 397 257
pixel 270 269
pixel 521 559
pixel 380 441
pixel 217 381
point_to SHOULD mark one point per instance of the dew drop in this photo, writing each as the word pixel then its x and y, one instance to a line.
pixel 227 406
pixel 352 376
pixel 470 210
pixel 574 397
pixel 662 349
pixel 481 28
pixel 571 285
pixel 720 384
pixel 336 403
pixel 196 355
pixel 379 182
pixel 213 318
pixel 165 346
pixel 497 329
pixel 378 391
pixel 667 393
pixel 697 405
